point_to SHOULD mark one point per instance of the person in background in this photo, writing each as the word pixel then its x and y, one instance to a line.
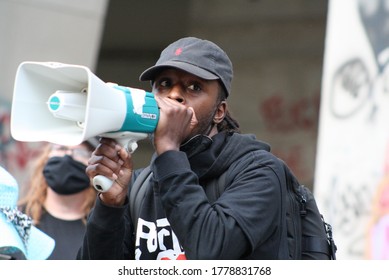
pixel 19 238
pixel 60 196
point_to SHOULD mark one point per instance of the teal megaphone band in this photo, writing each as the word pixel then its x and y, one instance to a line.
pixel 142 110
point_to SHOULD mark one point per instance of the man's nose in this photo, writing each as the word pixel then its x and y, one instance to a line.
pixel 176 93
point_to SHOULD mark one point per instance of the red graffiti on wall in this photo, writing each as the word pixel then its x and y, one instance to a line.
pixel 20 155
pixel 281 115
pixel 14 155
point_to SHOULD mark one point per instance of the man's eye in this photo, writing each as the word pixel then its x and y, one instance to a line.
pixel 164 83
pixel 194 87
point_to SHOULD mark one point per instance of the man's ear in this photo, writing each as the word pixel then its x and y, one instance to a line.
pixel 220 112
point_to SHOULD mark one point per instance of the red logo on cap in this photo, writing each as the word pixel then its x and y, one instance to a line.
pixel 178 51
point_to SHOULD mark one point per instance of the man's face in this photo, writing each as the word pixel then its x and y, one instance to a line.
pixel 191 91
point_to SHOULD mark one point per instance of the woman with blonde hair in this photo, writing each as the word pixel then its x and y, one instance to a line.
pixel 60 195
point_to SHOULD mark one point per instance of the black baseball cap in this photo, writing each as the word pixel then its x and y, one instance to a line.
pixel 199 57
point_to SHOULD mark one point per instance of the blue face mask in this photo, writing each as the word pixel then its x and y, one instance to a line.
pixel 65 176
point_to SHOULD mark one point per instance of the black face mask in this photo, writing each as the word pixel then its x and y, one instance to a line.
pixel 64 175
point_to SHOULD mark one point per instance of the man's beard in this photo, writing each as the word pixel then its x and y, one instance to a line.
pixel 204 125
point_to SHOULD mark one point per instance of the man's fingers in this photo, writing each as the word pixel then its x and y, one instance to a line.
pixel 99 169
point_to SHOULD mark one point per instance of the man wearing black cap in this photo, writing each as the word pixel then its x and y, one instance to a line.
pixel 196 141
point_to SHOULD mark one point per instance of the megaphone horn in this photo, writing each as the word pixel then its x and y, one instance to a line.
pixel 67 104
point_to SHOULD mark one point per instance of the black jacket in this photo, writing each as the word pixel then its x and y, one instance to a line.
pixel 177 221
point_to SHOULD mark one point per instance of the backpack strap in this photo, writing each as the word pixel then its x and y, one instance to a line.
pixel 315 244
pixel 333 248
pixel 137 194
pixel 316 241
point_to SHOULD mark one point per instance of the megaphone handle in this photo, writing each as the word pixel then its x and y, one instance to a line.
pixel 102 183
pixel 125 139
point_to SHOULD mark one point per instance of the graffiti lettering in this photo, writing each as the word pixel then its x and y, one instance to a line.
pixel 280 115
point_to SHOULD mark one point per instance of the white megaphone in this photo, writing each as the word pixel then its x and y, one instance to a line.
pixel 67 104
